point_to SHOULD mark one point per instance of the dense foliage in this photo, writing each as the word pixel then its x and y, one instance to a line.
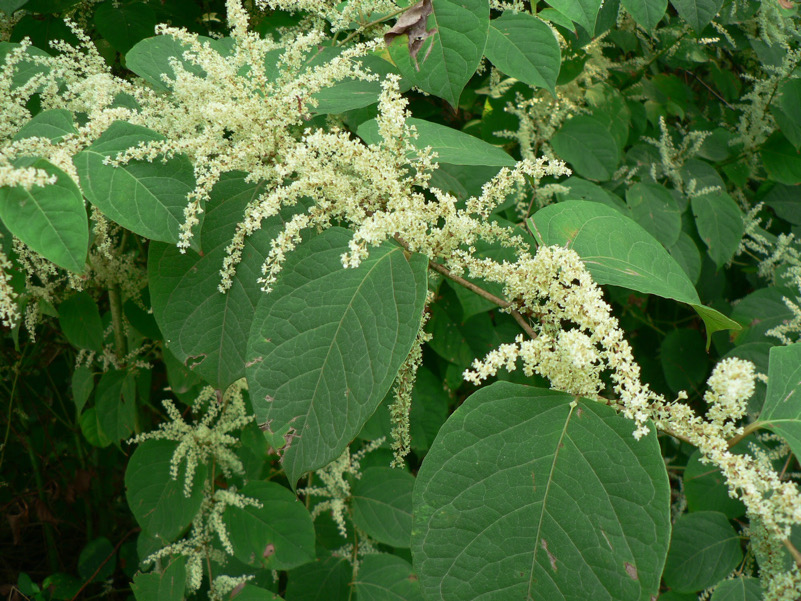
pixel 455 299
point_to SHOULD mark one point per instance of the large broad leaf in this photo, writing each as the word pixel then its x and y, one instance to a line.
pixel 588 145
pixel 351 94
pixel 384 577
pixel 327 342
pixel 761 311
pixel 698 13
pixel 279 535
pixel 25 69
pixel 532 494
pixel 720 225
pixel 617 251
pixel 687 255
pixel 80 322
pixel 146 198
pixel 382 505
pixel 706 489
pixel 202 327
pixel 525 48
pixel 684 359
pixel 156 500
pixel 787 111
pixel 647 13
pixel 51 220
pixel 122 26
pixel 151 58
pixel 581 12
pixel 53 124
pixel 451 145
pixel 781 159
pixel 782 409
pixel 115 399
pixel 451 53
pixel 167 584
pixel 326 579
pixel 704 548
pixel 738 589
pixel 654 208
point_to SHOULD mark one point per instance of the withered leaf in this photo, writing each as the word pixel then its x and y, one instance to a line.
pixel 413 24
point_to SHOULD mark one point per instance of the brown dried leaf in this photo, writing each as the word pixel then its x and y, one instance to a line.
pixel 413 24
pixel 16 521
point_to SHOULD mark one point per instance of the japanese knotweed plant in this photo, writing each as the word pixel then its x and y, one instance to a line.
pixel 327 275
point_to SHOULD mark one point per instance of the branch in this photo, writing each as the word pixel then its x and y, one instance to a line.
pixel 793 551
pixel 752 427
pixel 504 304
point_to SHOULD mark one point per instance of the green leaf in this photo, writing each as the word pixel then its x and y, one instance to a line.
pixel 352 94
pixel 704 549
pixel 531 493
pixel 654 208
pixel 183 287
pixel 326 579
pixel 706 489
pixel 610 107
pixel 781 159
pixel 782 409
pixel 761 311
pixel 687 255
pixel 63 586
pixel 589 147
pixel 581 12
pixel 384 577
pixel 720 225
pixel 51 220
pixel 738 589
pixel 784 201
pixel 156 500
pixel 80 322
pixel 25 69
pixel 698 13
pixel 97 560
pixel 452 146
pixel 646 13
pixel 448 58
pixel 581 189
pixel 123 25
pixel 255 593
pixel 787 111
pixel 90 428
pixel 146 198
pixel 429 409
pixel 524 47
pixel 53 124
pixel 115 399
pixel 617 251
pixel 684 359
pixel 83 383
pixel 167 585
pixel 9 6
pixel 327 342
pixel 382 505
pixel 151 58
pixel 279 535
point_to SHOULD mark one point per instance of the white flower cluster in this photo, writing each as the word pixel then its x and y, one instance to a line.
pixel 335 487
pixel 207 524
pixel 554 287
pixel 208 437
pixel 9 312
pixel 731 384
